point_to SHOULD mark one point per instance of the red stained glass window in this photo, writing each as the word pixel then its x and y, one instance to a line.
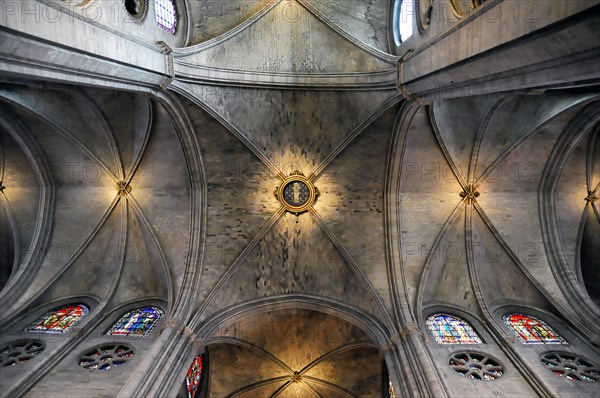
pixel 60 320
pixel 391 393
pixel 531 330
pixel 193 377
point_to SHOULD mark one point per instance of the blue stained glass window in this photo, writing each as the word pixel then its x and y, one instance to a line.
pixel 137 322
pixel 448 329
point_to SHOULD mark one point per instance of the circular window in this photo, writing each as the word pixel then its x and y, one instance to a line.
pixel 19 351
pixel 78 3
pixel 476 366
pixel 403 20
pixel 461 8
pixel 571 366
pixel 106 356
pixel 166 15
pixel 296 193
pixel 425 11
pixel 136 8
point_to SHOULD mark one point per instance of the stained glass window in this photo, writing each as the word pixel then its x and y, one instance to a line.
pixel 532 330
pixel 193 377
pixel 448 329
pixel 391 394
pixel 60 320
pixel 137 322
pixel 166 16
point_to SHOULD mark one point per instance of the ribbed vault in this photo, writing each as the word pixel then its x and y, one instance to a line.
pixel 483 173
pixel 293 353
pixel 363 20
pixel 163 195
pixel 103 150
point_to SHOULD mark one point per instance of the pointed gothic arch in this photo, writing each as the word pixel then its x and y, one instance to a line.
pixel 532 330
pixel 59 320
pixel 450 329
pixel 137 322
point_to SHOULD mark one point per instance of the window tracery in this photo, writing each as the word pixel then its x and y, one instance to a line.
pixel 193 377
pixel 532 330
pixel 166 15
pixel 391 392
pixel 19 351
pixel 476 366
pixel 571 366
pixel 106 356
pixel 138 322
pixel 448 329
pixel 60 320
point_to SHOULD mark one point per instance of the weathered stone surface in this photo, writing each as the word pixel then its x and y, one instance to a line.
pixel 212 18
pixel 351 203
pixel 305 86
pixel 294 129
pixel 295 257
pixel 364 20
pixel 276 343
pixel 298 42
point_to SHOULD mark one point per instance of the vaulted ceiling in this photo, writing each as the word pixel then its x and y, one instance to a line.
pixel 126 197
pixel 294 353
pixel 364 20
pixel 122 247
